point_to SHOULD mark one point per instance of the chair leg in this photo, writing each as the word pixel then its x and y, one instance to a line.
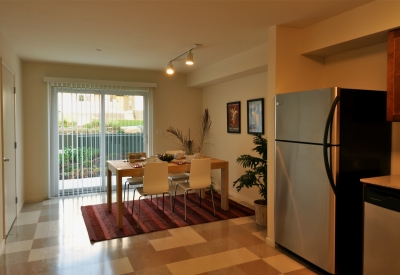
pixel 124 190
pixel 170 203
pixel 138 218
pixel 173 209
pixel 157 200
pixel 127 197
pixel 199 196
pixel 163 202
pixel 212 198
pixel 133 201
pixel 185 203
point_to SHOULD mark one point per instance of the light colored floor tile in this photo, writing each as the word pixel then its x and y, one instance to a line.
pixel 52 201
pixel 212 247
pixel 121 266
pixel 158 270
pixel 283 263
pixel 48 229
pixel 242 220
pixel 21 233
pixel 212 262
pixel 180 237
pixel 27 218
pixel 18 246
pixel 115 267
pixel 59 244
pixel 44 253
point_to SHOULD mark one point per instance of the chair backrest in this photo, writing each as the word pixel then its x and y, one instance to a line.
pixel 200 173
pixel 136 155
pixel 155 179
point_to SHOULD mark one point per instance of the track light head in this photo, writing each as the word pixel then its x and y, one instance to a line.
pixel 170 68
pixel 189 58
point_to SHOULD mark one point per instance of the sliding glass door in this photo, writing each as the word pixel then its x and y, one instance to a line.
pixel 93 125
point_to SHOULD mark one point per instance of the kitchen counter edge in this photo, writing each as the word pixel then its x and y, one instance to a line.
pixel 391 181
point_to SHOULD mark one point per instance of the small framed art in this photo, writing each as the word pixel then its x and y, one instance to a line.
pixel 233 117
pixel 255 116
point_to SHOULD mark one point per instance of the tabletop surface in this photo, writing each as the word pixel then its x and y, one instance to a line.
pixel 123 164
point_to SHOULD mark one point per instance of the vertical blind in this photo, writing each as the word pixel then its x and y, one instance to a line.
pixel 90 124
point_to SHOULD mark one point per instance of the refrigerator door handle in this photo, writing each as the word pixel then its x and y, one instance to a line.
pixel 327 145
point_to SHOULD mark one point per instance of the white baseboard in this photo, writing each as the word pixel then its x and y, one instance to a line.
pixel 36 199
pixel 241 198
pixel 270 242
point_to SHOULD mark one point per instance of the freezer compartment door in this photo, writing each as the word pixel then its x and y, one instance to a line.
pixel 302 116
pixel 305 204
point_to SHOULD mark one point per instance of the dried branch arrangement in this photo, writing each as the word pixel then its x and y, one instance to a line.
pixel 186 143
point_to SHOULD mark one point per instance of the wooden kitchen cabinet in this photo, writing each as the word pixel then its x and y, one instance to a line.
pixel 393 76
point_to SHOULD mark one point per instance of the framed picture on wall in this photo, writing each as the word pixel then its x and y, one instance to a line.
pixel 255 116
pixel 233 117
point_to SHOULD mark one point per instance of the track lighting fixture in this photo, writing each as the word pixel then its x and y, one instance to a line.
pixel 189 59
pixel 170 68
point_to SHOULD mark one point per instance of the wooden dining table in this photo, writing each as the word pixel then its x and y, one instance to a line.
pixel 122 168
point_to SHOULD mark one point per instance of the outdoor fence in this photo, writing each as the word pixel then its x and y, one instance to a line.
pixel 79 154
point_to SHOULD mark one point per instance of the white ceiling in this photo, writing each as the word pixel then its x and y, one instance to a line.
pixel 148 34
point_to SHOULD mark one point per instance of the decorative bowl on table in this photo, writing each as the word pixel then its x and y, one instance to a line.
pixel 166 157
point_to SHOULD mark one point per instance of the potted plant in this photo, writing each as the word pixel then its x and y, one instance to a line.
pixel 256 175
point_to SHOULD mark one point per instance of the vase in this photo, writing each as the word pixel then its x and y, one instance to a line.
pixel 189 158
pixel 197 156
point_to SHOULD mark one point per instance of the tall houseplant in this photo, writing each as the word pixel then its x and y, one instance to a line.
pixel 255 175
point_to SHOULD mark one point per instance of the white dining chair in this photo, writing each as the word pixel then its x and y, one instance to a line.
pixel 199 178
pixel 134 181
pixel 155 182
pixel 177 177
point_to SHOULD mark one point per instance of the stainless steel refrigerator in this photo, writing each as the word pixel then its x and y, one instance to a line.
pixel 326 140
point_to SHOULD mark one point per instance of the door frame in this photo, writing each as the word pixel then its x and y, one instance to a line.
pixel 11 71
pixel 142 89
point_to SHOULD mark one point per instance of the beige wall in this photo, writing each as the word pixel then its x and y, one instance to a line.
pixel 12 61
pixel 363 26
pixel 247 63
pixel 229 146
pixel 174 104
pixel 364 68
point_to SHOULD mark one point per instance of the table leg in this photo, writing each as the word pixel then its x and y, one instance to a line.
pixel 224 188
pixel 109 190
pixel 119 200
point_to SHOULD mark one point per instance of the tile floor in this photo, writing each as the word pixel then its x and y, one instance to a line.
pixel 50 237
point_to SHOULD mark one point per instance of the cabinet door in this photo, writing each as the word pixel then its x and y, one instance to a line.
pixel 393 76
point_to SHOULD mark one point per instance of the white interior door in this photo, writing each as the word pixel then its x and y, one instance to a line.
pixel 9 148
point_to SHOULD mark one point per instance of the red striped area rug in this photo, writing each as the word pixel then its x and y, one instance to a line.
pixel 101 225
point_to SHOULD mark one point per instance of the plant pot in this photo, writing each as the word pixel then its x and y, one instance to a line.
pixel 260 207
